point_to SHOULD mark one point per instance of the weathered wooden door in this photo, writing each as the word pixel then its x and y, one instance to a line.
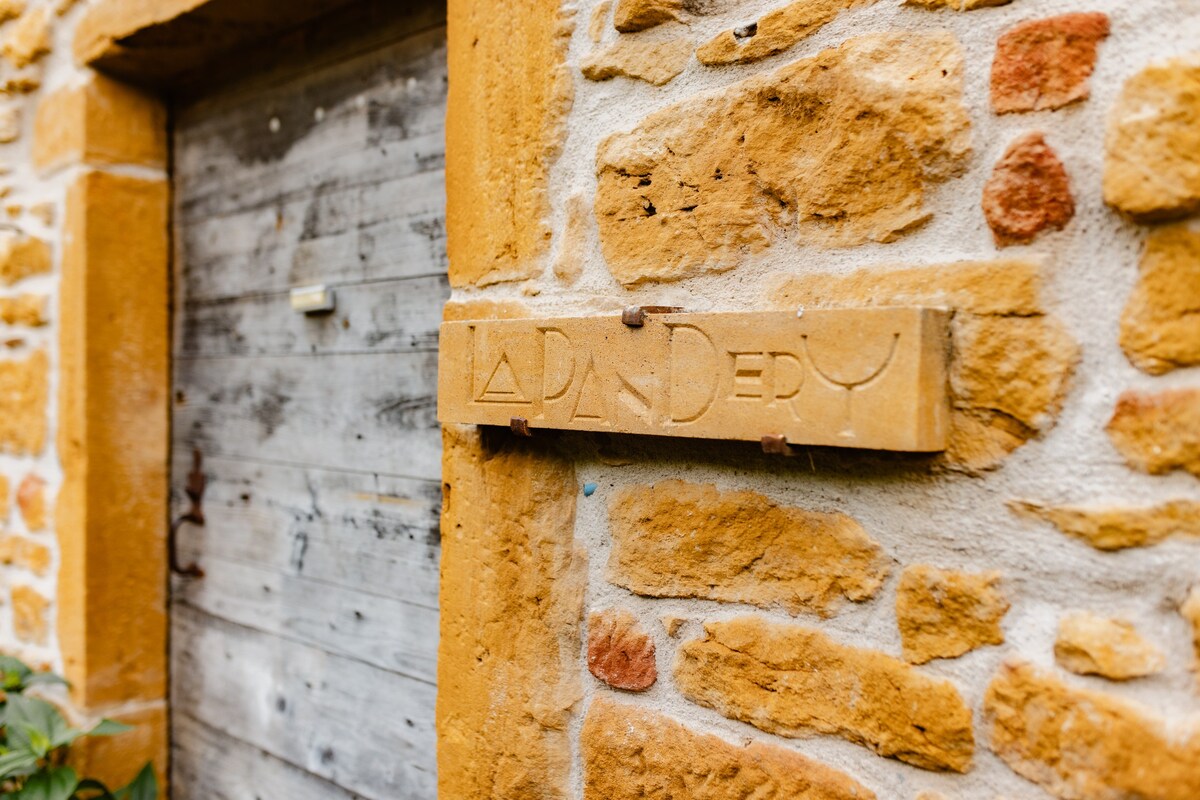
pixel 304 658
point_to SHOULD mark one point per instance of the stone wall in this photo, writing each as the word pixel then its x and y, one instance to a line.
pixel 1018 617
pixel 30 473
pixel 83 381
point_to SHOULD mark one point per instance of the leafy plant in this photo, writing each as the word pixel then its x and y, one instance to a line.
pixel 35 740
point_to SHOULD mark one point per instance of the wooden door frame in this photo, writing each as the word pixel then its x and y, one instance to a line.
pixel 114 439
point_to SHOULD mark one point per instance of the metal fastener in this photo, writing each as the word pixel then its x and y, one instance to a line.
pixel 775 445
pixel 635 316
pixel 520 427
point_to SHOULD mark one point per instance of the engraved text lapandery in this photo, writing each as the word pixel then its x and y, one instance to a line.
pixel 865 378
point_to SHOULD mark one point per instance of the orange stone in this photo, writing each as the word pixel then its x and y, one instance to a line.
pixel 619 651
pixel 1029 192
pixel 1045 64
pixel 1158 433
pixel 31 498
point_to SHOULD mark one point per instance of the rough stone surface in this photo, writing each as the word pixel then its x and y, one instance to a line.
pixel 1017 367
pixel 1151 170
pixel 512 606
pixel 1191 612
pixel 10 123
pixel 795 681
pixel 1084 745
pixel 1160 328
pixel 28 310
pixel 22 256
pixel 598 20
pixel 25 553
pixel 29 39
pixel 638 15
pixel 678 539
pixel 31 499
pixel 1029 192
pixel 945 614
pixel 1158 433
pixel 24 393
pixel 630 754
pixel 699 186
pixel 505 128
pixel 568 261
pixel 1046 64
pixel 672 624
pixel 620 653
pixel 773 33
pixel 1012 364
pixel 1120 528
pixel 1088 644
pixel 11 9
pixel 29 610
pixel 958 5
pixel 656 62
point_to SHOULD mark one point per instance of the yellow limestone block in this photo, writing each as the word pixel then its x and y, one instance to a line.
pixel 1085 745
pixel 510 656
pixel 677 539
pixel 1111 648
pixel 774 32
pixel 1111 528
pixel 796 682
pixel 630 754
pixel 945 614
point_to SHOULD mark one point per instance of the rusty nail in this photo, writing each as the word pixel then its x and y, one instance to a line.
pixel 520 426
pixel 635 316
pixel 776 445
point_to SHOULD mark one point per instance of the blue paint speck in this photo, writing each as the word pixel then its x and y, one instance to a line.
pixel 589 489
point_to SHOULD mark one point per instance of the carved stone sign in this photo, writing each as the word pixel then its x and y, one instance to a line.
pixel 865 378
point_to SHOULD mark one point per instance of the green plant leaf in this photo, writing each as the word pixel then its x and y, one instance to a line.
pixel 109 727
pixel 40 678
pixel 57 783
pixel 144 786
pixel 15 672
pixel 17 763
pixel 38 741
pixel 36 725
pixel 89 785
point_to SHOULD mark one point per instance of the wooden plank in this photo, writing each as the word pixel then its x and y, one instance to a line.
pixel 328 179
pixel 208 764
pixel 867 378
pixel 362 728
pixel 373 533
pixel 398 231
pixel 376 101
pixel 385 317
pixel 366 413
pixel 375 629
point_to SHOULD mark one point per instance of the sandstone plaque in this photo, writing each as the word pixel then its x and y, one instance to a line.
pixel 863 378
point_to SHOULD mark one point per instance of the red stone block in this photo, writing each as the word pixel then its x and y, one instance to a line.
pixel 1029 192
pixel 1046 63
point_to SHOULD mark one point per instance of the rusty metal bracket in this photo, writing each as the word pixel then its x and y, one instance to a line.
pixel 196 485
pixel 776 445
pixel 635 316
pixel 520 427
